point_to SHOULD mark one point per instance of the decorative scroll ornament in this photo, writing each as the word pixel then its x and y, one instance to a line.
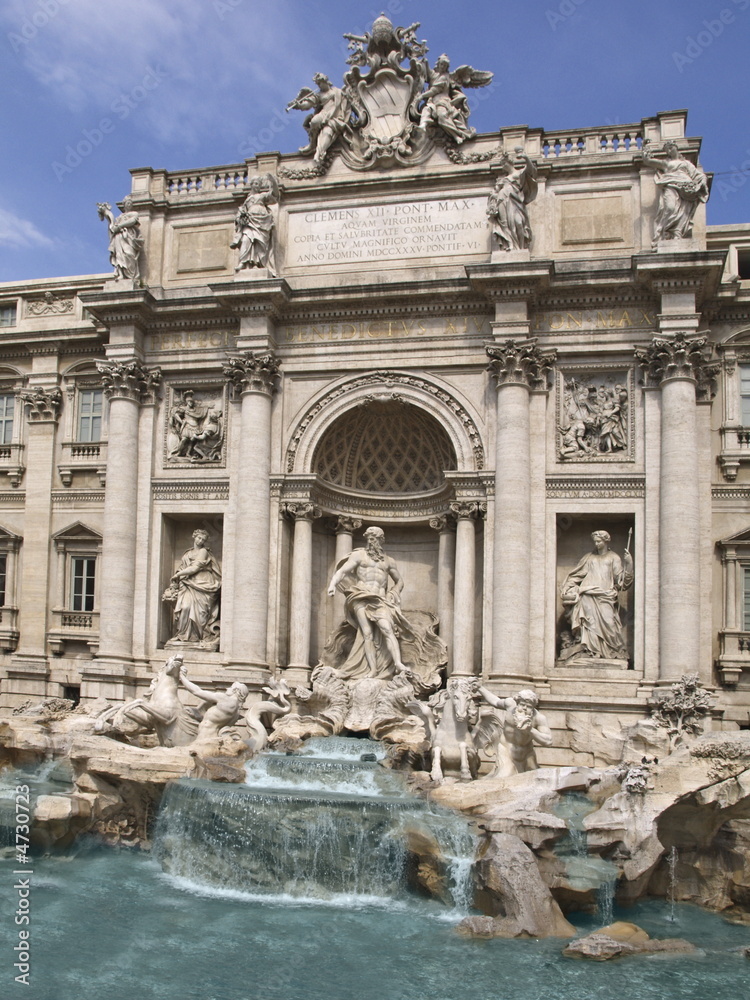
pixel 50 305
pixel 347 525
pixel 129 380
pixel 392 113
pixel 680 357
pixel 253 373
pixel 43 404
pixel 520 363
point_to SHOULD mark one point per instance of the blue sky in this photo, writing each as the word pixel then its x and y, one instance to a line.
pixel 193 83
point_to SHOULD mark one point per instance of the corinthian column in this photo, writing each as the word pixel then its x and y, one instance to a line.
pixel 464 590
pixel 679 366
pixel 446 526
pixel 345 528
pixel 43 408
pixel 518 368
pixel 300 612
pixel 126 384
pixel 254 378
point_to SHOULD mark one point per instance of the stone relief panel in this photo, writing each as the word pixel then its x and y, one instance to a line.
pixel 195 425
pixel 595 415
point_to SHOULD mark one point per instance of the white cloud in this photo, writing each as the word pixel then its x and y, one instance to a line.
pixel 212 57
pixel 21 234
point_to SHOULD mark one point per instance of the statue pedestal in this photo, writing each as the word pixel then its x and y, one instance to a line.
pixel 577 659
pixel 677 246
pixel 510 256
pixel 253 274
pixel 207 646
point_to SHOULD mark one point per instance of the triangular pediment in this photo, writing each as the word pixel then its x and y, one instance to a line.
pixel 77 532
pixel 741 536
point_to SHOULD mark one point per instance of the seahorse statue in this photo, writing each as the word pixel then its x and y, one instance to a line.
pixel 258 734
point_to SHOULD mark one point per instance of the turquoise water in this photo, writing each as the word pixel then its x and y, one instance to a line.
pixel 111 925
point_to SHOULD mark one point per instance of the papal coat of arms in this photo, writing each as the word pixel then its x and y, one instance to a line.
pixel 392 107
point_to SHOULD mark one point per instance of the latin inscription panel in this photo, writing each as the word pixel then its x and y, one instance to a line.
pixel 397 231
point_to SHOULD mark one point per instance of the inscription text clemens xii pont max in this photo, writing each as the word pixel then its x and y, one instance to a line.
pixel 383 232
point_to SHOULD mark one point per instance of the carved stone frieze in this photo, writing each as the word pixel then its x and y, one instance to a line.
pixel 129 380
pixel 679 357
pixel 600 487
pixel 44 404
pixel 386 380
pixel 595 415
pixel 253 373
pixel 195 426
pixel 520 363
pixel 50 305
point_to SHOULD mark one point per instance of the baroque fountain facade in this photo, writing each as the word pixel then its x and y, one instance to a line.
pixel 418 436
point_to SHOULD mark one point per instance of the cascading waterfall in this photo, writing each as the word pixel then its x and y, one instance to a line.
pixel 309 826
pixel 585 871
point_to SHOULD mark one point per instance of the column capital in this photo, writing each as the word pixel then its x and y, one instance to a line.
pixel 679 357
pixel 443 522
pixel 44 404
pixel 129 380
pixel 462 510
pixel 250 372
pixel 347 525
pixel 520 363
pixel 300 511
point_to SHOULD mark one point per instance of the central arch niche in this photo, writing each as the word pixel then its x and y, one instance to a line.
pixel 385 447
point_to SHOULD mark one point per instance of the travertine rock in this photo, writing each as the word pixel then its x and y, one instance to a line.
pixel 512 890
pixel 620 939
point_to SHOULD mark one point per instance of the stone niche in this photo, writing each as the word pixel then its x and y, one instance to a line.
pixel 573 543
pixel 177 540
pixel 415 550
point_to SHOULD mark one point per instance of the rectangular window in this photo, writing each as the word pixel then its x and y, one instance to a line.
pixel 84 577
pixel 8 315
pixel 745 395
pixel 3 577
pixel 90 415
pixel 7 406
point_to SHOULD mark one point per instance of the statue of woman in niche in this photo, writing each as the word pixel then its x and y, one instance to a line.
pixel 682 187
pixel 590 595
pixel 506 206
pixel 195 590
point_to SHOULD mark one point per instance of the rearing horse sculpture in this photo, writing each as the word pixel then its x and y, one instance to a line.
pixel 457 710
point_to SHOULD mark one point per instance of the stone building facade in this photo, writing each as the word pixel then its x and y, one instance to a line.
pixel 377 352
